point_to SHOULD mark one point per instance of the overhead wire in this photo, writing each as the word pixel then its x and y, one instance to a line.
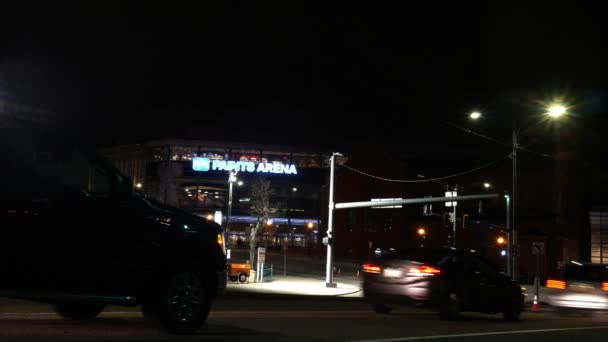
pixel 426 179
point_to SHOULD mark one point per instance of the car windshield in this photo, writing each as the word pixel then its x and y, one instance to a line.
pixel 594 273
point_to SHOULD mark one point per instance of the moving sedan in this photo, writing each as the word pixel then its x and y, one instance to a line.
pixel 451 280
pixel 583 287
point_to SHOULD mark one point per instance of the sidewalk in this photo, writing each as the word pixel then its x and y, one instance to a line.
pixel 300 286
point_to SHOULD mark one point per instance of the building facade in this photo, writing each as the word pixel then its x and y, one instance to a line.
pixel 194 176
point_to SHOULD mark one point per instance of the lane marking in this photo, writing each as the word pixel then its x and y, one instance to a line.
pixel 491 333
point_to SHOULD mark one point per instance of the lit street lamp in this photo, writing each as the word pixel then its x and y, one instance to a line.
pixel 500 240
pixel 555 111
pixel 487 185
pixel 475 115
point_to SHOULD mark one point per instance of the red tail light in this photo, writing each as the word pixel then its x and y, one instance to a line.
pixel 423 271
pixel 556 284
pixel 605 286
pixel 371 268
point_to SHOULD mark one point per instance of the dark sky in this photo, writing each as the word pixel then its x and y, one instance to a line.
pixel 288 72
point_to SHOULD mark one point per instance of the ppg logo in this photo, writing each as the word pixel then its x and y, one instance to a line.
pixel 201 164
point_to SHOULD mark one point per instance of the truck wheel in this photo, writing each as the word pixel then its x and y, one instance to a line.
pixel 233 278
pixel 242 277
pixel 180 304
pixel 78 310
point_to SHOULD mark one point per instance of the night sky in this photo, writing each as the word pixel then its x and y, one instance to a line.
pixel 301 73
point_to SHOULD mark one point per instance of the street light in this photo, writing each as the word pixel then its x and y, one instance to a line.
pixel 310 225
pixel 556 110
pixel 500 240
pixel 210 217
pixel 475 115
pixel 239 183
pixel 138 185
pixel 294 189
pixel 269 222
pixel 487 185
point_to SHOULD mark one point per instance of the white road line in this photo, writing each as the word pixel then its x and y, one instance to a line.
pixel 491 333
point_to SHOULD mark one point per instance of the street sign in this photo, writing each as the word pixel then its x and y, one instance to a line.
pixel 538 248
pixel 261 255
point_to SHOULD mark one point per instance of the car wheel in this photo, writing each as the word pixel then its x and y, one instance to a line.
pixel 181 304
pixel 242 277
pixel 79 310
pixel 513 310
pixel 233 278
pixel 449 307
pixel 382 309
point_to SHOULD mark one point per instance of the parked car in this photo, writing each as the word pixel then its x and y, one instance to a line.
pixel 449 279
pixel 582 287
pixel 74 234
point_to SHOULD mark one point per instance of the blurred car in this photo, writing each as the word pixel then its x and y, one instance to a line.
pixel 449 279
pixel 76 235
pixel 581 287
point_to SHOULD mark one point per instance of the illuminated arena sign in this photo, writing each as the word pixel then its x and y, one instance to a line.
pixel 205 164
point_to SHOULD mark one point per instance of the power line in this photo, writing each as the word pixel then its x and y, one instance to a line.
pixel 519 146
pixel 427 179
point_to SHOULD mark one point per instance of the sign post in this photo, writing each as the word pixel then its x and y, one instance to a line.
pixel 538 249
pixel 284 245
pixel 261 262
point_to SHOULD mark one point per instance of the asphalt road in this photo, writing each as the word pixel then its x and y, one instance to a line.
pixel 240 317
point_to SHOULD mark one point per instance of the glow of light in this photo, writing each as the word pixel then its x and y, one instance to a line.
pixel 310 225
pixel 500 240
pixel 138 185
pixel 269 222
pixel 421 231
pixel 240 183
pixel 503 252
pixel 556 110
pixel 294 189
pixel 210 217
pixel 475 115
pixel 487 185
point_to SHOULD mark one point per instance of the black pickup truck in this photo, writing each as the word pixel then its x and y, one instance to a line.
pixel 74 234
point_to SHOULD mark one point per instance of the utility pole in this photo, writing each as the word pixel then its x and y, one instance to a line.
pixel 514 198
pixel 509 237
pixel 329 275
pixel 454 194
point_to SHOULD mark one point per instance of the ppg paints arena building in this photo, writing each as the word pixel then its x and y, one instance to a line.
pixel 194 176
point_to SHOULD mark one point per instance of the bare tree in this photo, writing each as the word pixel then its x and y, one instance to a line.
pixel 262 209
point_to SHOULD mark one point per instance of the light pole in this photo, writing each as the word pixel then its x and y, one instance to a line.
pixel 329 276
pixel 554 111
pixel 231 180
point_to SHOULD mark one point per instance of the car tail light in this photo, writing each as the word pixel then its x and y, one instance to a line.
pixel 605 286
pixel 556 284
pixel 423 271
pixel 371 268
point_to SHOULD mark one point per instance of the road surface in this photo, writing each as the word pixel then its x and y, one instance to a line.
pixel 246 317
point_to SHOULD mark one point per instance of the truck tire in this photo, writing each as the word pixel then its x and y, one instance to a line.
pixel 180 304
pixel 78 310
pixel 242 277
